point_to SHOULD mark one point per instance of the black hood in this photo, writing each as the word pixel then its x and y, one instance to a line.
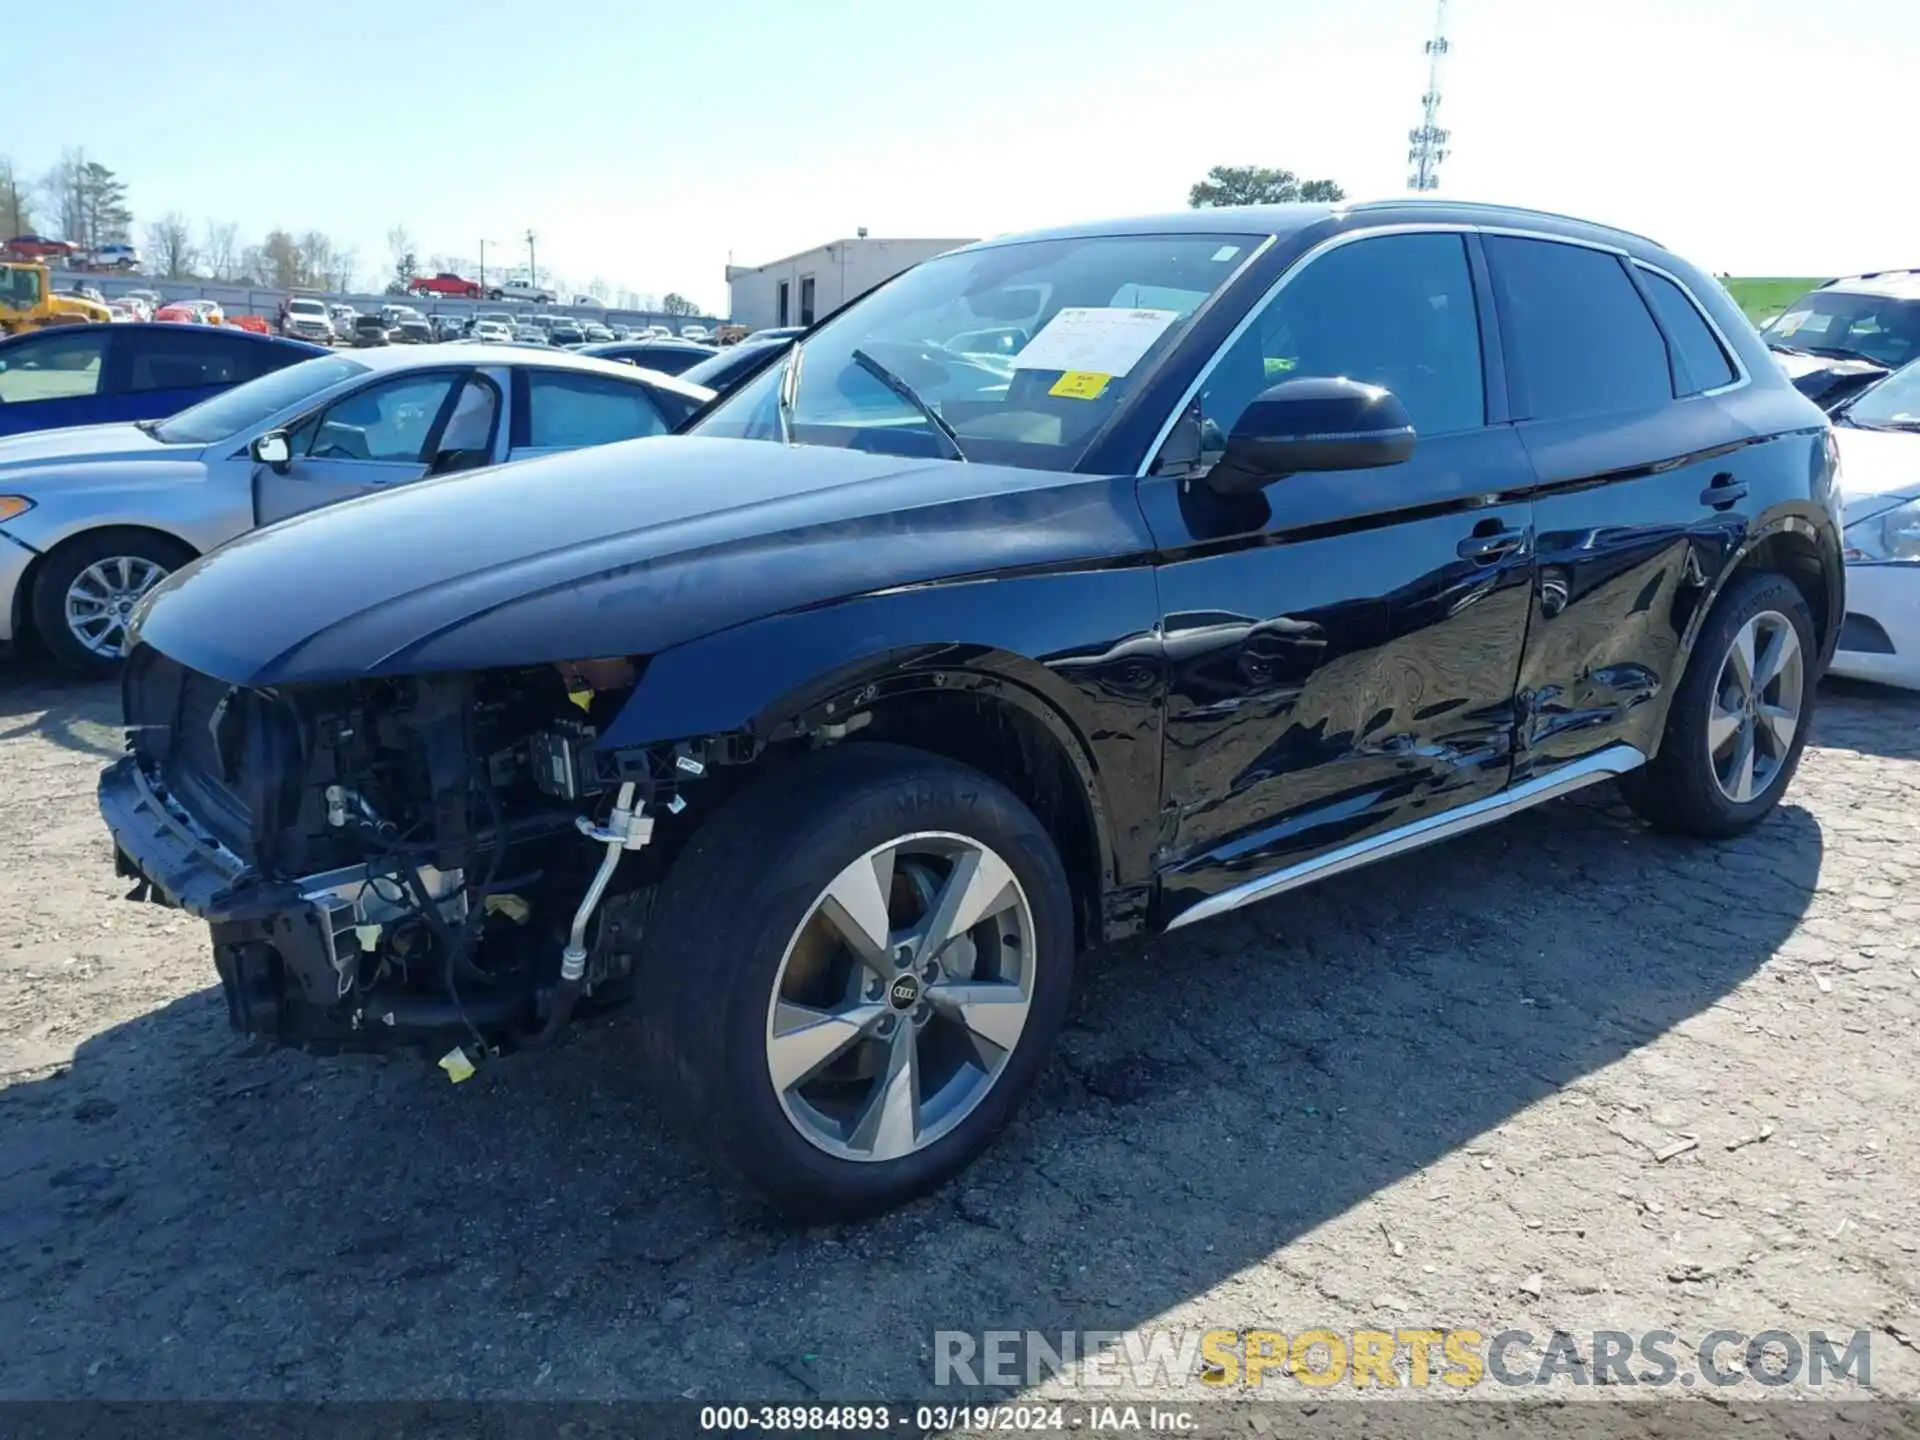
pixel 623 550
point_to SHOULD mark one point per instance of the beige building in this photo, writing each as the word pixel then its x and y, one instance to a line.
pixel 812 285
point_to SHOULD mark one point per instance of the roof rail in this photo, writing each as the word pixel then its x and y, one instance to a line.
pixel 1438 203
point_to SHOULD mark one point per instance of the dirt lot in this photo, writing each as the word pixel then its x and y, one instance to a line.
pixel 1433 1093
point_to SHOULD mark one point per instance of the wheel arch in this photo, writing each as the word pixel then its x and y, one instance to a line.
pixel 1001 714
pixel 1793 545
pixel 23 614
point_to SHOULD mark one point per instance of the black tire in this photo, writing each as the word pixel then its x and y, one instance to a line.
pixel 1677 790
pixel 721 925
pixel 58 572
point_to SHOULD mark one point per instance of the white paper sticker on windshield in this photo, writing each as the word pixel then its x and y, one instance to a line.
pixel 1817 324
pixel 1226 252
pixel 1097 339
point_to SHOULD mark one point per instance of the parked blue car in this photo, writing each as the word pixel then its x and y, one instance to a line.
pixel 102 374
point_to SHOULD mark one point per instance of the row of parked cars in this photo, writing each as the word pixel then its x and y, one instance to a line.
pixel 312 318
pixel 1068 587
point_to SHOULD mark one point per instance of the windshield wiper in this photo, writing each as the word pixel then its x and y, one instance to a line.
pixel 148 427
pixel 907 393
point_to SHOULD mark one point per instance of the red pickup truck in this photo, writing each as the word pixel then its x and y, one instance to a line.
pixel 447 284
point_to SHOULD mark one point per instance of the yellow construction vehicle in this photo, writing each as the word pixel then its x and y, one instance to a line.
pixel 27 301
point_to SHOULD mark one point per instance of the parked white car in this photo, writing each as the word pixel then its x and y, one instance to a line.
pixel 1879 435
pixel 695 332
pixel 491 332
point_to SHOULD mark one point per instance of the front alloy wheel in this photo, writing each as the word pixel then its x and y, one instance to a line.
pixel 852 974
pixel 901 997
pixel 85 592
pixel 102 597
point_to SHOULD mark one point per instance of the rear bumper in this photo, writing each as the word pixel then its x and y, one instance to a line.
pixel 285 950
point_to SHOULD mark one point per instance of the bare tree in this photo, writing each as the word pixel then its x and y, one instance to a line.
pixel 16 201
pixel 63 188
pixel 345 263
pixel 280 261
pixel 400 242
pixel 170 247
pixel 315 251
pixel 222 247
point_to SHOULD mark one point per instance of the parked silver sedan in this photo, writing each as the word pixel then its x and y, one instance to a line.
pixel 92 518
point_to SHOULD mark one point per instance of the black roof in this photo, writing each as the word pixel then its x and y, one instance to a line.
pixel 1288 219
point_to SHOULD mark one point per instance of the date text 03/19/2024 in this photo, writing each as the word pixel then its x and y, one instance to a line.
pixel 1092 1419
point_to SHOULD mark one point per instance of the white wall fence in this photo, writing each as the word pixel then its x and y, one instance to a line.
pixel 254 300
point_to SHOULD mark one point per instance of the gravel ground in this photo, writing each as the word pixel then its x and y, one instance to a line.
pixel 1432 1093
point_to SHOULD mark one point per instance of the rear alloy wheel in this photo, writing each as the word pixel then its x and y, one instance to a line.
pixel 86 592
pixel 852 975
pixel 1739 718
pixel 1754 715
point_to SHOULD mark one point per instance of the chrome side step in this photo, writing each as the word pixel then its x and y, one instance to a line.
pixel 1575 775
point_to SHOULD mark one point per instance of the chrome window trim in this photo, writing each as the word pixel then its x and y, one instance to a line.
pixel 1415 227
pixel 1740 375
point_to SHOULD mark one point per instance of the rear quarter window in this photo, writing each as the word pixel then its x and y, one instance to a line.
pixel 1698 361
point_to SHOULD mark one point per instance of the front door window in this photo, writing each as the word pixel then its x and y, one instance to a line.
pixel 390 421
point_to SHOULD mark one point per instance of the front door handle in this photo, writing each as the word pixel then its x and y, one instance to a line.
pixel 1724 492
pixel 1483 549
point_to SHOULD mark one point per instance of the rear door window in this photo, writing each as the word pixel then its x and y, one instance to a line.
pixel 566 410
pixel 1582 342
pixel 168 359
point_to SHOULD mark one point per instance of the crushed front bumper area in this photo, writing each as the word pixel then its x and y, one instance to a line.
pixel 286 950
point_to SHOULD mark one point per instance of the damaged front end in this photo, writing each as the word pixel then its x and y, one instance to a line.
pixel 414 861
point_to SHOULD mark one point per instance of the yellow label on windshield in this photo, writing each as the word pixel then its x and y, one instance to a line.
pixel 1080 385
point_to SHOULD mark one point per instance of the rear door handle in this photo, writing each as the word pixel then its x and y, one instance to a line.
pixel 1482 549
pixel 1724 492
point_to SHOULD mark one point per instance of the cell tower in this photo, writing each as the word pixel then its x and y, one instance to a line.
pixel 1429 139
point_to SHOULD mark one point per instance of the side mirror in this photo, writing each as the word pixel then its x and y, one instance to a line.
pixel 1312 423
pixel 275 451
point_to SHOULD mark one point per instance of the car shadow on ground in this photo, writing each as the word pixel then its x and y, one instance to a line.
pixel 66 710
pixel 184 1215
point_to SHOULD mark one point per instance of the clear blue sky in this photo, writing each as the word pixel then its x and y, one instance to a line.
pixel 646 142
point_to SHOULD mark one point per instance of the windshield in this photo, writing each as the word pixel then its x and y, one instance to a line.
pixel 247 405
pixel 1016 354
pixel 305 307
pixel 1882 328
pixel 1894 402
